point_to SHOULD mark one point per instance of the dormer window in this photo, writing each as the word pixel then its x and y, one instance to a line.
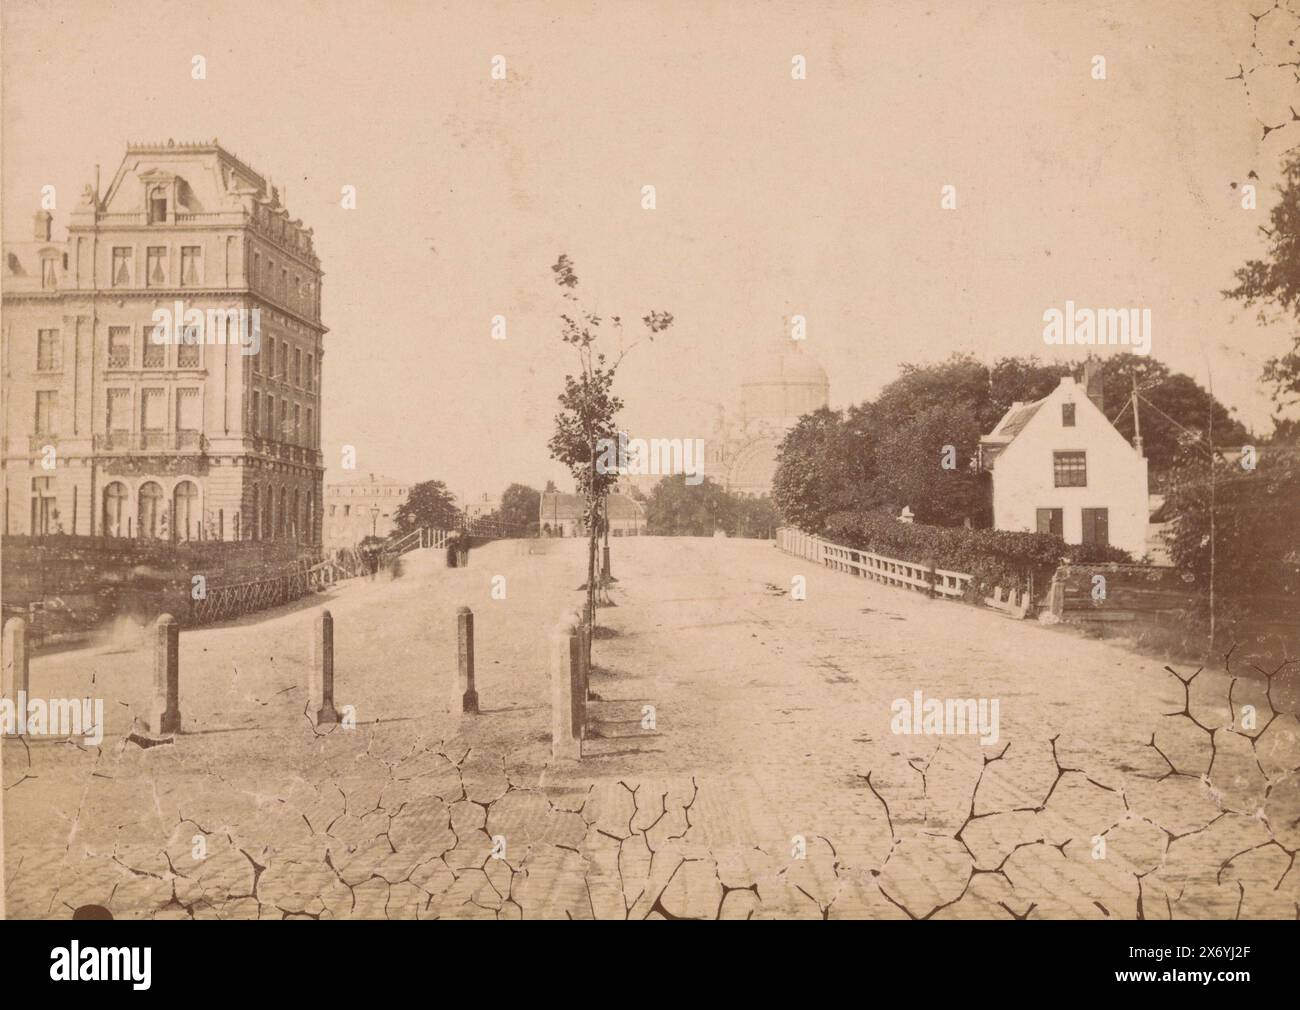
pixel 1067 415
pixel 158 206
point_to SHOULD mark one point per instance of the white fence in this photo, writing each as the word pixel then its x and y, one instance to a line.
pixel 890 571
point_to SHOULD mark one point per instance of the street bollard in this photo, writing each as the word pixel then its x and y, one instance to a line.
pixel 165 714
pixel 566 738
pixel 464 699
pixel 320 694
pixel 584 657
pixel 17 669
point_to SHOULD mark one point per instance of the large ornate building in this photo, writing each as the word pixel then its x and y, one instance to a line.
pixel 108 430
pixel 781 384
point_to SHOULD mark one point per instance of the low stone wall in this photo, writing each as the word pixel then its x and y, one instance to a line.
pixel 69 585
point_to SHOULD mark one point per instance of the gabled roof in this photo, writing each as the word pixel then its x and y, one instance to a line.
pixel 1013 421
pixel 556 506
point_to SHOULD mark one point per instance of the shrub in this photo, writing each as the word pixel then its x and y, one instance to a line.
pixel 1004 558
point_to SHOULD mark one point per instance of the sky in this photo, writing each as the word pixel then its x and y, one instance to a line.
pixel 774 196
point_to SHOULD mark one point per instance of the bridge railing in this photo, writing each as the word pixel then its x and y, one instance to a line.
pixel 221 603
pixel 890 571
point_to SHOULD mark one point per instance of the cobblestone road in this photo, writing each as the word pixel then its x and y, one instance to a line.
pixel 771 785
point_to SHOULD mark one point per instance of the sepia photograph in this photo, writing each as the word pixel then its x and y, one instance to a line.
pixel 672 459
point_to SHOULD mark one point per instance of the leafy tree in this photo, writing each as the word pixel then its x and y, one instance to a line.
pixel 519 506
pixel 1023 379
pixel 1234 528
pixel 550 488
pixel 960 379
pixel 1275 281
pixel 817 463
pixel 755 517
pixel 588 406
pixel 679 509
pixel 925 463
pixel 928 422
pixel 1170 406
pixel 428 504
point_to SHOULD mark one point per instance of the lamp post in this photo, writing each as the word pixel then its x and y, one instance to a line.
pixel 374 519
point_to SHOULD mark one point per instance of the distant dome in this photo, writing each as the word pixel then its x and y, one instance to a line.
pixel 781 384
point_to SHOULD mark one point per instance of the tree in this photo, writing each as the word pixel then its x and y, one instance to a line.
pixel 428 504
pixel 679 509
pixel 550 488
pixel 1275 281
pixel 928 422
pixel 925 464
pixel 1234 528
pixel 824 464
pixel 588 407
pixel 755 517
pixel 1023 379
pixel 520 505
pixel 1171 406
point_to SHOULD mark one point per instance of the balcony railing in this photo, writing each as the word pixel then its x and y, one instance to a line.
pixel 151 441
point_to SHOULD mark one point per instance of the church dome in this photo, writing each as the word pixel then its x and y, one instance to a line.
pixel 781 384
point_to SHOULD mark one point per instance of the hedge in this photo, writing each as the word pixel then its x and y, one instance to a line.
pixel 994 557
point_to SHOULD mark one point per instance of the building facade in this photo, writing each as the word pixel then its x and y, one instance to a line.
pixel 134 402
pixel 780 385
pixel 1059 466
pixel 561 515
pixel 360 508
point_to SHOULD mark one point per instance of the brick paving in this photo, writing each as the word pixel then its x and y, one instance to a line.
pixel 771 785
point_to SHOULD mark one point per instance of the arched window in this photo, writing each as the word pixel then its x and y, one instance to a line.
pixel 185 500
pixel 295 519
pixel 150 522
pixel 280 518
pixel 115 498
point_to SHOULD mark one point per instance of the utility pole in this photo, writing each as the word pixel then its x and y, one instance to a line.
pixel 1137 420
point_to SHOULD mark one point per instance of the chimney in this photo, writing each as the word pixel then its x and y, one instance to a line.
pixel 43 220
pixel 1093 384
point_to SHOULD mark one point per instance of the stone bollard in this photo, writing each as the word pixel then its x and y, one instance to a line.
pixel 584 657
pixel 464 699
pixel 17 669
pixel 566 717
pixel 165 715
pixel 320 692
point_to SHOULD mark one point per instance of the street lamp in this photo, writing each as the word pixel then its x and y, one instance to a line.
pixel 374 518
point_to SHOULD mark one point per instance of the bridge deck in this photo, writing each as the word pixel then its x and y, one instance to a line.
pixel 770 714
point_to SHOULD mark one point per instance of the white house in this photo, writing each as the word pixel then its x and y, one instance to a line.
pixel 1059 466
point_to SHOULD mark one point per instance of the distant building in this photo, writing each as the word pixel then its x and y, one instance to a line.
pixel 107 429
pixel 481 508
pixel 1059 466
pixel 781 384
pixel 358 508
pixel 561 515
